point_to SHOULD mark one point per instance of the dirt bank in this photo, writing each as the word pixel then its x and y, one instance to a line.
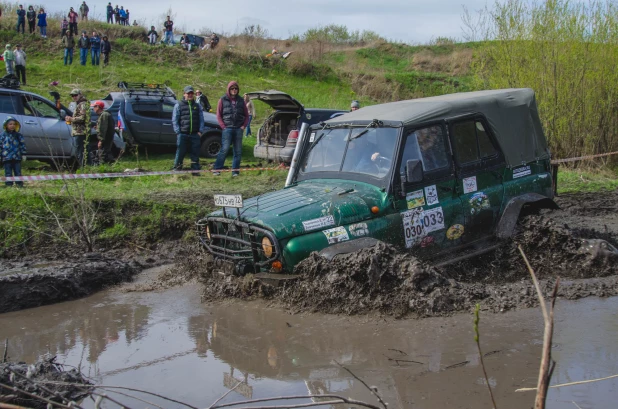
pixel 575 243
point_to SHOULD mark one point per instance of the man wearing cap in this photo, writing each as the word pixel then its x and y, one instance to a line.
pixel 105 130
pixel 21 19
pixel 80 121
pixel 354 106
pixel 188 121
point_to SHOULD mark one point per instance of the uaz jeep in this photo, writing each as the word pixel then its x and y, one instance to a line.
pixel 441 176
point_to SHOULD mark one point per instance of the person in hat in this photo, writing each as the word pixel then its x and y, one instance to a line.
pixel 68 42
pixel 354 105
pixel 83 43
pixel 233 117
pixel 72 21
pixel 12 149
pixel 106 49
pixel 188 121
pixel 21 19
pixel 20 63
pixel 9 60
pixel 105 131
pixel 80 123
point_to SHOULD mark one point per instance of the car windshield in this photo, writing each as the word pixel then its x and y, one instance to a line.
pixel 357 150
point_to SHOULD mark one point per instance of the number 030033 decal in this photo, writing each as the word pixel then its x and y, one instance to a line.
pixel 419 223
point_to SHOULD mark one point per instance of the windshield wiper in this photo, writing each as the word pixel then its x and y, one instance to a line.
pixel 359 134
pixel 314 143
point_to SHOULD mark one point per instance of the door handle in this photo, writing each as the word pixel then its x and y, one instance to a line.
pixel 31 122
pixel 134 122
pixel 167 124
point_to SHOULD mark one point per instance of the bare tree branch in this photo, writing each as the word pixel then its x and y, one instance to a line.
pixel 373 391
pixel 569 384
pixel 224 395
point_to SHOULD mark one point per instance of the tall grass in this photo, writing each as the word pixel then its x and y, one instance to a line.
pixel 567 52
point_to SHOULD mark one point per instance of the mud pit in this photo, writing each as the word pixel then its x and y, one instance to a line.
pixel 576 243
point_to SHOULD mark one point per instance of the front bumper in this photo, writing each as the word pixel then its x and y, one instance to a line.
pixel 238 242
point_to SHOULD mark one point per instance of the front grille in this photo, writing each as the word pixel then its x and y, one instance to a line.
pixel 237 241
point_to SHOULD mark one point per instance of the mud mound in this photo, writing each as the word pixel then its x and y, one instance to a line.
pixel 29 284
pixel 27 377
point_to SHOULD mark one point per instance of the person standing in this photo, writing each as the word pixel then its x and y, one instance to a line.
pixel 169 31
pixel 105 130
pixel 233 116
pixel 152 36
pixel 188 121
pixel 83 43
pixel 95 48
pixel 20 64
pixel 123 16
pixel 117 14
pixel 202 100
pixel 21 19
pixel 127 21
pixel 110 13
pixel 106 49
pixel 42 16
pixel 12 149
pixel 31 17
pixel 83 11
pixel 64 26
pixel 72 21
pixel 251 110
pixel 80 123
pixel 9 60
pixel 68 42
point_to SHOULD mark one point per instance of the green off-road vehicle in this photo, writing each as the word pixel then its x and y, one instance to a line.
pixel 443 177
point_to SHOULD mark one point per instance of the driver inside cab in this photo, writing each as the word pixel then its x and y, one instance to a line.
pixel 363 154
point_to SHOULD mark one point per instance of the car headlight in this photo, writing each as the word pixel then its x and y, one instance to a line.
pixel 267 246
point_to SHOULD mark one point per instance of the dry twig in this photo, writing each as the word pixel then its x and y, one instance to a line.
pixel 477 339
pixel 373 391
pixel 336 400
pixel 6 350
pixel 569 384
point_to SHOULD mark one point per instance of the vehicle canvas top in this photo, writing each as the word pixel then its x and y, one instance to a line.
pixel 276 99
pixel 512 115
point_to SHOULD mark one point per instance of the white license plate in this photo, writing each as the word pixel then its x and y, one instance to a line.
pixel 228 200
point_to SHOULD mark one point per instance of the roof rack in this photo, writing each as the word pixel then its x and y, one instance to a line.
pixel 151 90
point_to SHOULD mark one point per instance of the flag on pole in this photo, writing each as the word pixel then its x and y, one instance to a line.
pixel 121 124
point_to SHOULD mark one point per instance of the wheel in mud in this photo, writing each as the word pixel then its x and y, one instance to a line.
pixel 211 145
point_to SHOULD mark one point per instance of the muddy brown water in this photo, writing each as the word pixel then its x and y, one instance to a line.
pixel 170 343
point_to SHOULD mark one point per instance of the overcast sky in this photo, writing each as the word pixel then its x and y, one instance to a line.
pixel 410 21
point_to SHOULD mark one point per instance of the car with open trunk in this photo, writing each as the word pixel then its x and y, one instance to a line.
pixel 441 177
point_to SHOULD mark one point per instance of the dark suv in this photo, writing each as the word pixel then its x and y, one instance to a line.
pixel 278 135
pixel 146 110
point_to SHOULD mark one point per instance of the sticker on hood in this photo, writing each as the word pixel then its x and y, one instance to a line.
pixel 358 229
pixel 336 235
pixel 315 224
pixel 415 199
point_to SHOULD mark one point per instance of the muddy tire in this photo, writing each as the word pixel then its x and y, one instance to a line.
pixel 211 145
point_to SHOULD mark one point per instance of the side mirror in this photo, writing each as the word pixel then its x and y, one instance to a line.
pixel 63 113
pixel 414 171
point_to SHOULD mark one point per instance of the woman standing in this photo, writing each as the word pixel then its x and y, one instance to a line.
pixel 31 17
pixel 42 23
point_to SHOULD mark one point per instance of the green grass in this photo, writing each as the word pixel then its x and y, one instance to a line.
pixel 575 181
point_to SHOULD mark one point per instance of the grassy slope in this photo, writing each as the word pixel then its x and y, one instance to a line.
pixel 150 208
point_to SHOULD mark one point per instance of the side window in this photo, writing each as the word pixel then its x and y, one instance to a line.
pixel 7 104
pixel 167 111
pixel 428 145
pixel 147 110
pixel 40 108
pixel 471 141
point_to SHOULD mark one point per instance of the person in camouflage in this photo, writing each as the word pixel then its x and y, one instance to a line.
pixel 80 124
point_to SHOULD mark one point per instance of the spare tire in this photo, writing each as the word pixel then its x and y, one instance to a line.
pixel 211 145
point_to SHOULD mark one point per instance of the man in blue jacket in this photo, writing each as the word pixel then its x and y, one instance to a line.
pixel 95 48
pixel 188 121
pixel 21 18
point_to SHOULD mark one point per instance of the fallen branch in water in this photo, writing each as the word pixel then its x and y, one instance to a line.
pixel 477 340
pixel 569 384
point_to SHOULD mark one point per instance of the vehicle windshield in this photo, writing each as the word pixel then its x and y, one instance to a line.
pixel 356 150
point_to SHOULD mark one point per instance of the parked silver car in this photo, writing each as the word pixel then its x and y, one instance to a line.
pixel 48 136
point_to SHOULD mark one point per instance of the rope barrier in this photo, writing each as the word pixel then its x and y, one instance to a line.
pixel 71 176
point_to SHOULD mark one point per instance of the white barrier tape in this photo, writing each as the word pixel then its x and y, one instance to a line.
pixel 70 176
pixel 600 155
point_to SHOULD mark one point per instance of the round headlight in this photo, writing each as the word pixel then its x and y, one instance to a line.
pixel 208 232
pixel 267 246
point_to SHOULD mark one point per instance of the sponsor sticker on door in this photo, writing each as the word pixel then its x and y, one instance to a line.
pixel 415 199
pixel 336 235
pixel 469 184
pixel 315 224
pixel 431 194
pixel 521 172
